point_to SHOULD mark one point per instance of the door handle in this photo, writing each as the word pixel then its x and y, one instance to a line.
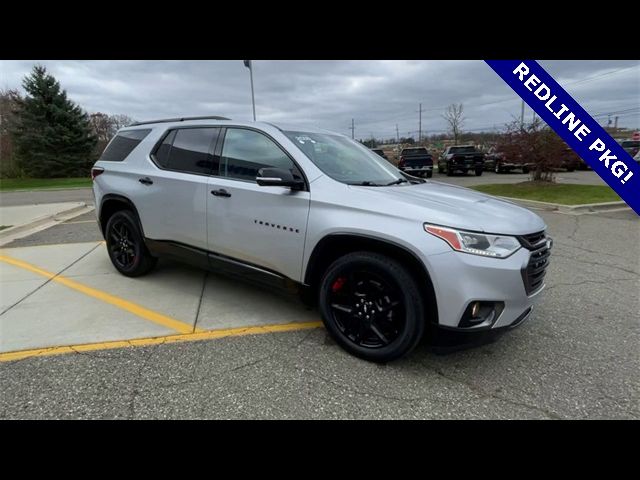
pixel 220 193
pixel 145 181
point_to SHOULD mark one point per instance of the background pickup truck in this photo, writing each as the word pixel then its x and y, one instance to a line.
pixel 461 158
pixel 416 161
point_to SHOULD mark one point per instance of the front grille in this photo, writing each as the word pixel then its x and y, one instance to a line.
pixel 533 274
pixel 533 240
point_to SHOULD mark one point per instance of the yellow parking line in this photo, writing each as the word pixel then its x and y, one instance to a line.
pixel 131 307
pixel 141 342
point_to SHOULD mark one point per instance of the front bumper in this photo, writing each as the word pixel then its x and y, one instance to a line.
pixel 460 279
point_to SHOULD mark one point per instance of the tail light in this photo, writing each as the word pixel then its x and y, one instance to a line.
pixel 95 171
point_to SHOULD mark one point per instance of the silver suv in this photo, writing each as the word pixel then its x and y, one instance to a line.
pixel 384 255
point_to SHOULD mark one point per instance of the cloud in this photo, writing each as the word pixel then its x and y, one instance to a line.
pixel 328 94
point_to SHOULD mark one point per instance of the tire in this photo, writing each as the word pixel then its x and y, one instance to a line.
pixel 478 172
pixel 125 245
pixel 365 283
pixel 430 174
pixel 571 169
pixel 525 170
pixel 449 172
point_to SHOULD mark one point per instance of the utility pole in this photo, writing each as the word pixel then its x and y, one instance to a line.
pixel 522 116
pixel 615 123
pixel 420 126
pixel 353 129
pixel 397 134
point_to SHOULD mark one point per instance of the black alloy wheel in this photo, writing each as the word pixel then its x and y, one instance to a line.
pixel 125 245
pixel 372 306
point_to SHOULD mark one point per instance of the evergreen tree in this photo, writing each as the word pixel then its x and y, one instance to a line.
pixel 52 135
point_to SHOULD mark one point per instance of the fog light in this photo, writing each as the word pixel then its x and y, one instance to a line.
pixel 475 309
pixel 481 314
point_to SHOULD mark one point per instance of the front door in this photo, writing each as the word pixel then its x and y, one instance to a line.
pixel 264 226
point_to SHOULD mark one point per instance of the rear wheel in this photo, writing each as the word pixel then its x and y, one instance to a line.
pixel 449 171
pixel 429 174
pixel 126 247
pixel 525 170
pixel 478 172
pixel 372 306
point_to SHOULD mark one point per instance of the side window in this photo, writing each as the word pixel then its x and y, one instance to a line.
pixel 246 151
pixel 189 150
pixel 123 144
pixel 162 153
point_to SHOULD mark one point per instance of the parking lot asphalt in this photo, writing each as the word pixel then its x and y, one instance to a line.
pixel 577 357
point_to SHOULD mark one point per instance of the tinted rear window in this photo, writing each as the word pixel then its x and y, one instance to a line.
pixel 631 143
pixel 415 151
pixel 191 151
pixel 123 144
pixel 462 150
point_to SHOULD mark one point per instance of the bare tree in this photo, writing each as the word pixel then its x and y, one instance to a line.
pixel 103 127
pixel 454 115
pixel 8 108
pixel 534 144
pixel 121 120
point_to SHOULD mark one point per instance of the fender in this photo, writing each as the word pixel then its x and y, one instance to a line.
pixel 112 197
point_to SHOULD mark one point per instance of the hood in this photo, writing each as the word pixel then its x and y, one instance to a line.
pixel 456 207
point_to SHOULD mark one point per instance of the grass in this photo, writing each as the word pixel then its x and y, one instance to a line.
pixel 552 192
pixel 39 183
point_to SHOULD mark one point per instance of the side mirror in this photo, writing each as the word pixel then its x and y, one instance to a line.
pixel 278 177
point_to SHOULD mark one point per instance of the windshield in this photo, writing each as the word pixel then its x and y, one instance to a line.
pixel 345 160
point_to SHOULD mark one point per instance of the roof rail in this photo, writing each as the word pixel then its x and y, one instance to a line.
pixel 182 119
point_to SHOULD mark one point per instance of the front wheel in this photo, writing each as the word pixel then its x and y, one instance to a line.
pixel 126 247
pixel 372 306
pixel 449 172
pixel 478 172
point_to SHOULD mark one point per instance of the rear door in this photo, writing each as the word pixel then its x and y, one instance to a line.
pixel 264 226
pixel 172 199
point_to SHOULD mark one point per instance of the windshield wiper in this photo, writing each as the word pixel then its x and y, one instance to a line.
pixel 397 182
pixel 366 183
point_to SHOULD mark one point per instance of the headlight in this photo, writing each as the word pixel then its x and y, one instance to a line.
pixel 486 245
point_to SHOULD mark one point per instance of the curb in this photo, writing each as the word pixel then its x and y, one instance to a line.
pixel 571 209
pixel 17 229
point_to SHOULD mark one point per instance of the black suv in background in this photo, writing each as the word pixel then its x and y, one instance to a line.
pixel 461 158
pixel 416 161
pixel 380 152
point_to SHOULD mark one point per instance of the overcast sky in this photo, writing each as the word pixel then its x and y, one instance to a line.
pixel 328 94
